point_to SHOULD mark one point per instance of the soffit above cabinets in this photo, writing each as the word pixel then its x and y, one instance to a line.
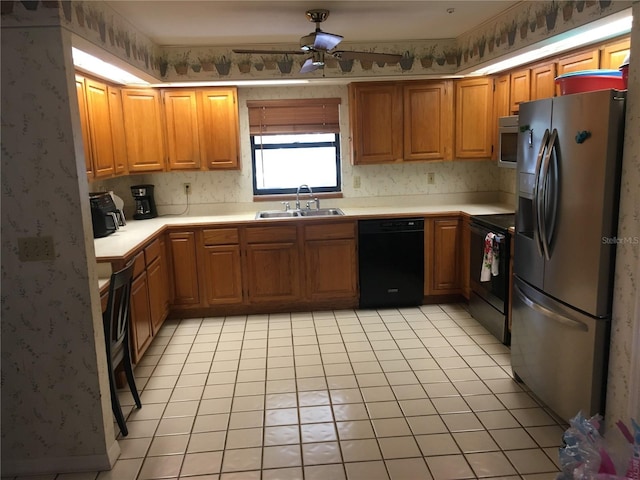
pixel 233 23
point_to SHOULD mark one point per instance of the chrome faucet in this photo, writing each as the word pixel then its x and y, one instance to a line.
pixel 313 199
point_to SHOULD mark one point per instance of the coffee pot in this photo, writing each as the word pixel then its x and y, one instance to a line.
pixel 145 205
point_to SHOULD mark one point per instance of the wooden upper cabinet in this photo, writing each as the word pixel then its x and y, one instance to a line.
pixel 428 121
pixel 84 126
pixel 588 60
pixel 520 89
pixel 181 121
pixel 117 130
pixel 473 118
pixel 501 108
pixel 219 136
pixel 99 128
pixel 376 122
pixel 543 81
pixel 613 54
pixel 143 130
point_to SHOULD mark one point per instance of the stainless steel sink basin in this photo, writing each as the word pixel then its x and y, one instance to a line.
pixel 322 212
pixel 277 214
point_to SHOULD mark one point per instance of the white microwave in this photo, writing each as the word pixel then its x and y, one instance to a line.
pixel 508 141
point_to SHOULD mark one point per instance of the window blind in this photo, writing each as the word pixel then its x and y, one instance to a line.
pixel 309 115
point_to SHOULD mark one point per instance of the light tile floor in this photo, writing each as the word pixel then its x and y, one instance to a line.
pixel 416 393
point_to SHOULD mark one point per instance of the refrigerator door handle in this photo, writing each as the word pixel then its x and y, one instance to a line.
pixel 576 324
pixel 536 194
pixel 542 208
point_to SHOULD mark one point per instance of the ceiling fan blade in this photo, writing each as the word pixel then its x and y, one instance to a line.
pixel 309 66
pixel 372 56
pixel 326 41
pixel 270 52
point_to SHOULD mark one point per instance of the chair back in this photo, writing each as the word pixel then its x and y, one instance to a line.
pixel 116 316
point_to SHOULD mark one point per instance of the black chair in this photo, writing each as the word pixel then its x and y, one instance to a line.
pixel 116 334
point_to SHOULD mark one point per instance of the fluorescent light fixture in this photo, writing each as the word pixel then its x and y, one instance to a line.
pixel 572 39
pixel 230 83
pixel 89 63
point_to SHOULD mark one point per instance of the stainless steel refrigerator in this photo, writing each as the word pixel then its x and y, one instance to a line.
pixel 568 183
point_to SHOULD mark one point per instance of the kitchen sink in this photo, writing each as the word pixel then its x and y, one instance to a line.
pixel 277 214
pixel 322 212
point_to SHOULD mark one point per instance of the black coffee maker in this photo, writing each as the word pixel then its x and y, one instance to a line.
pixel 145 205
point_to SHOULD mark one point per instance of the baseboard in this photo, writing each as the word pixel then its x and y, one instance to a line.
pixel 71 464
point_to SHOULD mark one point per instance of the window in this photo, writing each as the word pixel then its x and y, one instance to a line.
pixel 283 162
pixel 295 142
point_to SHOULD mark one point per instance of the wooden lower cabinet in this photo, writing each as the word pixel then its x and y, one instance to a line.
pixel 223 275
pixel 186 289
pixel 273 272
pixel 443 244
pixel 158 293
pixel 141 327
pixel 330 261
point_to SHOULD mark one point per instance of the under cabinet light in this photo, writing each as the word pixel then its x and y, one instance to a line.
pixel 609 27
pixel 89 63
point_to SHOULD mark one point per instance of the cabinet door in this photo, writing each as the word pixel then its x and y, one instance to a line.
pixel 428 121
pixel 219 135
pixel 141 329
pixel 117 130
pixel 543 81
pixel 443 260
pixel 473 118
pixel 84 126
pixel 158 296
pixel 331 269
pixel 376 123
pixel 613 54
pixel 520 89
pixel 143 130
pixel 181 120
pixel 223 275
pixel 273 272
pixel 501 108
pixel 589 60
pixel 185 268
pixel 99 128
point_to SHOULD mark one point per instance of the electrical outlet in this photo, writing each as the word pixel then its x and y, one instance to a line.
pixel 431 178
pixel 187 188
pixel 36 249
pixel 356 181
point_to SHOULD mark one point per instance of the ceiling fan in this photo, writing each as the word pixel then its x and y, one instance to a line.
pixel 319 44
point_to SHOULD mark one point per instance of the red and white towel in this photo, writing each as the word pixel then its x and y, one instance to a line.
pixel 491 257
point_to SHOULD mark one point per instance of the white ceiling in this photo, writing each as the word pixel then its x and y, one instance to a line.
pixel 240 22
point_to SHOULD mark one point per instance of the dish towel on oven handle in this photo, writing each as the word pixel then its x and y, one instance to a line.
pixel 491 256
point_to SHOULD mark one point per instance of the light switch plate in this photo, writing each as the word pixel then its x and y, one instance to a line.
pixel 356 181
pixel 36 249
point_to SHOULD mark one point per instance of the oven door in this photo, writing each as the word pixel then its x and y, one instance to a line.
pixel 495 290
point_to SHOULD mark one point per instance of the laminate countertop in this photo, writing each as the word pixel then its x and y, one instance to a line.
pixel 137 232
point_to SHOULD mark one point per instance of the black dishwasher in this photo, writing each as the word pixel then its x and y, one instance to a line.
pixel 391 262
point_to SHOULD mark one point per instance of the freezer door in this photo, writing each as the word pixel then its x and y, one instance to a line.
pixel 579 196
pixel 559 353
pixel 534 122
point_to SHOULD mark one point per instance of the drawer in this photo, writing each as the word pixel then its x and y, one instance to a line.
pixel 138 264
pixel 220 236
pixel 271 234
pixel 330 231
pixel 152 251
